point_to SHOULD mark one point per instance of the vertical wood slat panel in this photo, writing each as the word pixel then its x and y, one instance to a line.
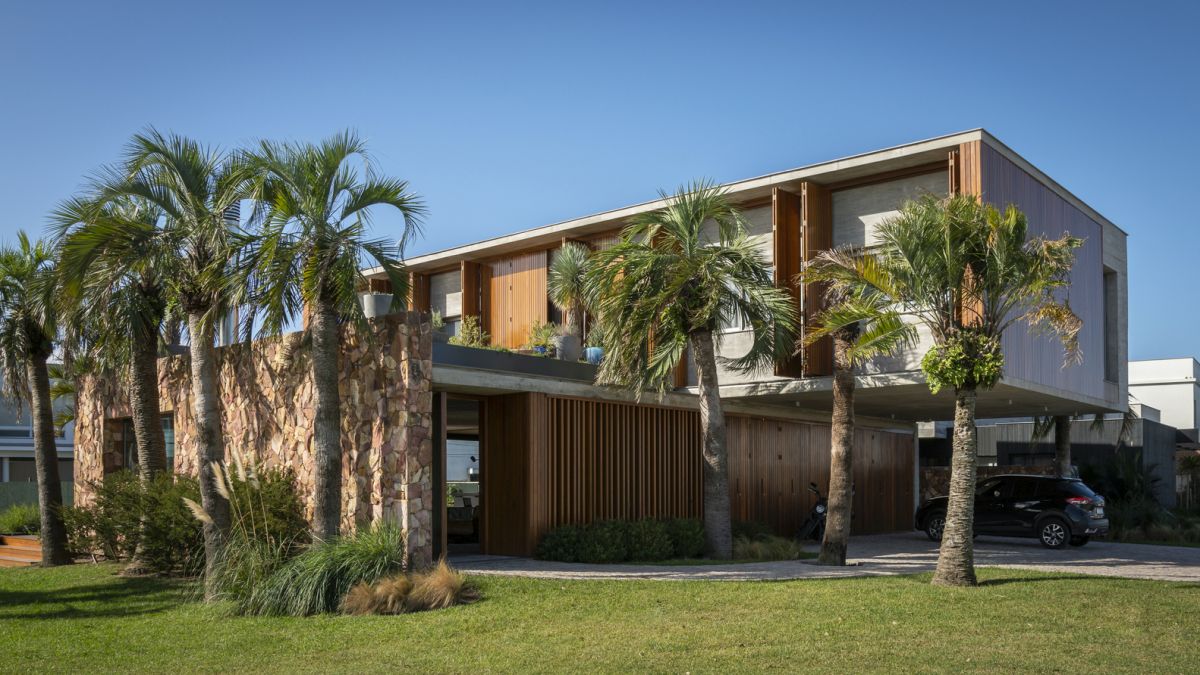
pixel 517 290
pixel 553 460
pixel 786 208
pixel 418 289
pixel 816 227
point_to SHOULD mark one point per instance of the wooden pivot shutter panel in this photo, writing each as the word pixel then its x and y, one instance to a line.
pixel 966 178
pixel 785 226
pixel 485 297
pixel 816 228
pixel 418 288
pixel 518 297
pixel 471 300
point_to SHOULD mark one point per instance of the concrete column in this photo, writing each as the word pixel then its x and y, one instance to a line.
pixel 4 470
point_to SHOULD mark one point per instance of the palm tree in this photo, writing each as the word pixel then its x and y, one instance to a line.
pixel 676 277
pixel 967 272
pixel 862 325
pixel 307 256
pixel 27 332
pixel 565 283
pixel 196 189
pixel 114 263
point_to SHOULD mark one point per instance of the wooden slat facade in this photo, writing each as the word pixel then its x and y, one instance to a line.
pixel 771 463
pixel 516 297
pixel 786 209
pixel 472 291
pixel 554 460
pixel 816 226
pixel 418 289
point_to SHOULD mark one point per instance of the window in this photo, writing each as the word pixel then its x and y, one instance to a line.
pixel 737 323
pixel 994 488
pixel 129 442
pixel 1112 359
pixel 1026 488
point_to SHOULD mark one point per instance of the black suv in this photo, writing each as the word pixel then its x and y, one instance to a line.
pixel 1057 511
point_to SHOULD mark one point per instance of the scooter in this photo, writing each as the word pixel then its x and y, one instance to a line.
pixel 814 527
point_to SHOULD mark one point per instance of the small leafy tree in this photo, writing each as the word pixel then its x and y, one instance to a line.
pixel 566 283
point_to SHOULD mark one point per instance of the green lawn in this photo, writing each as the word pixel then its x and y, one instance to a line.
pixel 85 618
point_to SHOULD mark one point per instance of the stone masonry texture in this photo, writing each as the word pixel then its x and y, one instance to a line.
pixel 267 398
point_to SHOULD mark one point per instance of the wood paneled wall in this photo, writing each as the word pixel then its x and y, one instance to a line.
pixel 786 210
pixel 471 289
pixel 817 230
pixel 418 289
pixel 771 463
pixel 552 460
pixel 516 297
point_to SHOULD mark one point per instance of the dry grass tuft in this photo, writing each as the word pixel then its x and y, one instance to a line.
pixel 360 601
pixel 440 587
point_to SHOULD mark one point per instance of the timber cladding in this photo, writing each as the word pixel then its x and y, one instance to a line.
pixel 516 297
pixel 554 460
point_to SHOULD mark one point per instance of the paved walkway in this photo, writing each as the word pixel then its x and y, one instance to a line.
pixel 884 554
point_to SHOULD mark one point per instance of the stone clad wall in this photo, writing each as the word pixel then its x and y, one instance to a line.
pixel 267 398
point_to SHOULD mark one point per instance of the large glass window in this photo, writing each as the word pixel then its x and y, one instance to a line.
pixel 129 442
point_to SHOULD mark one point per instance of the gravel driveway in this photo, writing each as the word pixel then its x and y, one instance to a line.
pixel 884 554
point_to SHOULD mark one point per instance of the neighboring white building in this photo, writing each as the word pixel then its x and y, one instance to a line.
pixel 1170 385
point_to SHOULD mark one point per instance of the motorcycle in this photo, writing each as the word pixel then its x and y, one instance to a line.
pixel 814 527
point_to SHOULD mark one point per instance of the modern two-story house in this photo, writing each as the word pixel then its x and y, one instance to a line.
pixel 490 449
pixel 557 449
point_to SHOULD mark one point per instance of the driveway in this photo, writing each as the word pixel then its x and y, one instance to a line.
pixel 883 554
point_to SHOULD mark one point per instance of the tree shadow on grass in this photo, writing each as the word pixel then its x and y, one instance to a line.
pixel 1028 580
pixel 120 597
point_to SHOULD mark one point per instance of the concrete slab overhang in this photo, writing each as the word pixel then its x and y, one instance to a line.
pixel 905 396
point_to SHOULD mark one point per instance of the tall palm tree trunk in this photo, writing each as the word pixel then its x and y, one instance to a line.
pixel 147 419
pixel 956 560
pixel 718 530
pixel 210 446
pixel 1062 445
pixel 841 458
pixel 53 533
pixel 327 441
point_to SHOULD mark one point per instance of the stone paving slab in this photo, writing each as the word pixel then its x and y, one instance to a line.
pixel 876 555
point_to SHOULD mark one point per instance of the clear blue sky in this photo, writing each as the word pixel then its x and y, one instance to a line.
pixel 508 117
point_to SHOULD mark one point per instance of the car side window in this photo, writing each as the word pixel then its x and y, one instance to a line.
pixel 997 488
pixel 1026 488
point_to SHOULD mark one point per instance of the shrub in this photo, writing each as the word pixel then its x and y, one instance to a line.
pixel 561 544
pixel 752 530
pixel 316 581
pixel 21 519
pixel 603 542
pixel 267 505
pixel 127 516
pixel 438 588
pixel 766 548
pixel 647 540
pixel 687 537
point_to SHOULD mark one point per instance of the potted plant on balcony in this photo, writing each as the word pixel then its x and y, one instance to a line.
pixel 542 337
pixel 564 282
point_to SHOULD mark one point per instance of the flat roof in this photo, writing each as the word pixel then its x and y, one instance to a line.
pixel 851 167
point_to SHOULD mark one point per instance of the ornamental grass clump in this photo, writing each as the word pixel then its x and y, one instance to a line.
pixel 316 581
pixel 767 548
pixel 440 587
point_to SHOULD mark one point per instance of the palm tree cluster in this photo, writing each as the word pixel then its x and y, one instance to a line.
pixel 155 241
pixel 965 271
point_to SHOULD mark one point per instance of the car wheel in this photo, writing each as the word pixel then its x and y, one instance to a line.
pixel 1054 533
pixel 1080 541
pixel 934 524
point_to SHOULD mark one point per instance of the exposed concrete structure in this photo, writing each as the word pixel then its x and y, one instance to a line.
pixel 1170 385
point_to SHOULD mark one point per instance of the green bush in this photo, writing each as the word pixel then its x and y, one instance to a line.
pixel 687 537
pixel 604 542
pixel 127 516
pixel 267 505
pixel 21 519
pixel 648 540
pixel 614 541
pixel 561 544
pixel 315 581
